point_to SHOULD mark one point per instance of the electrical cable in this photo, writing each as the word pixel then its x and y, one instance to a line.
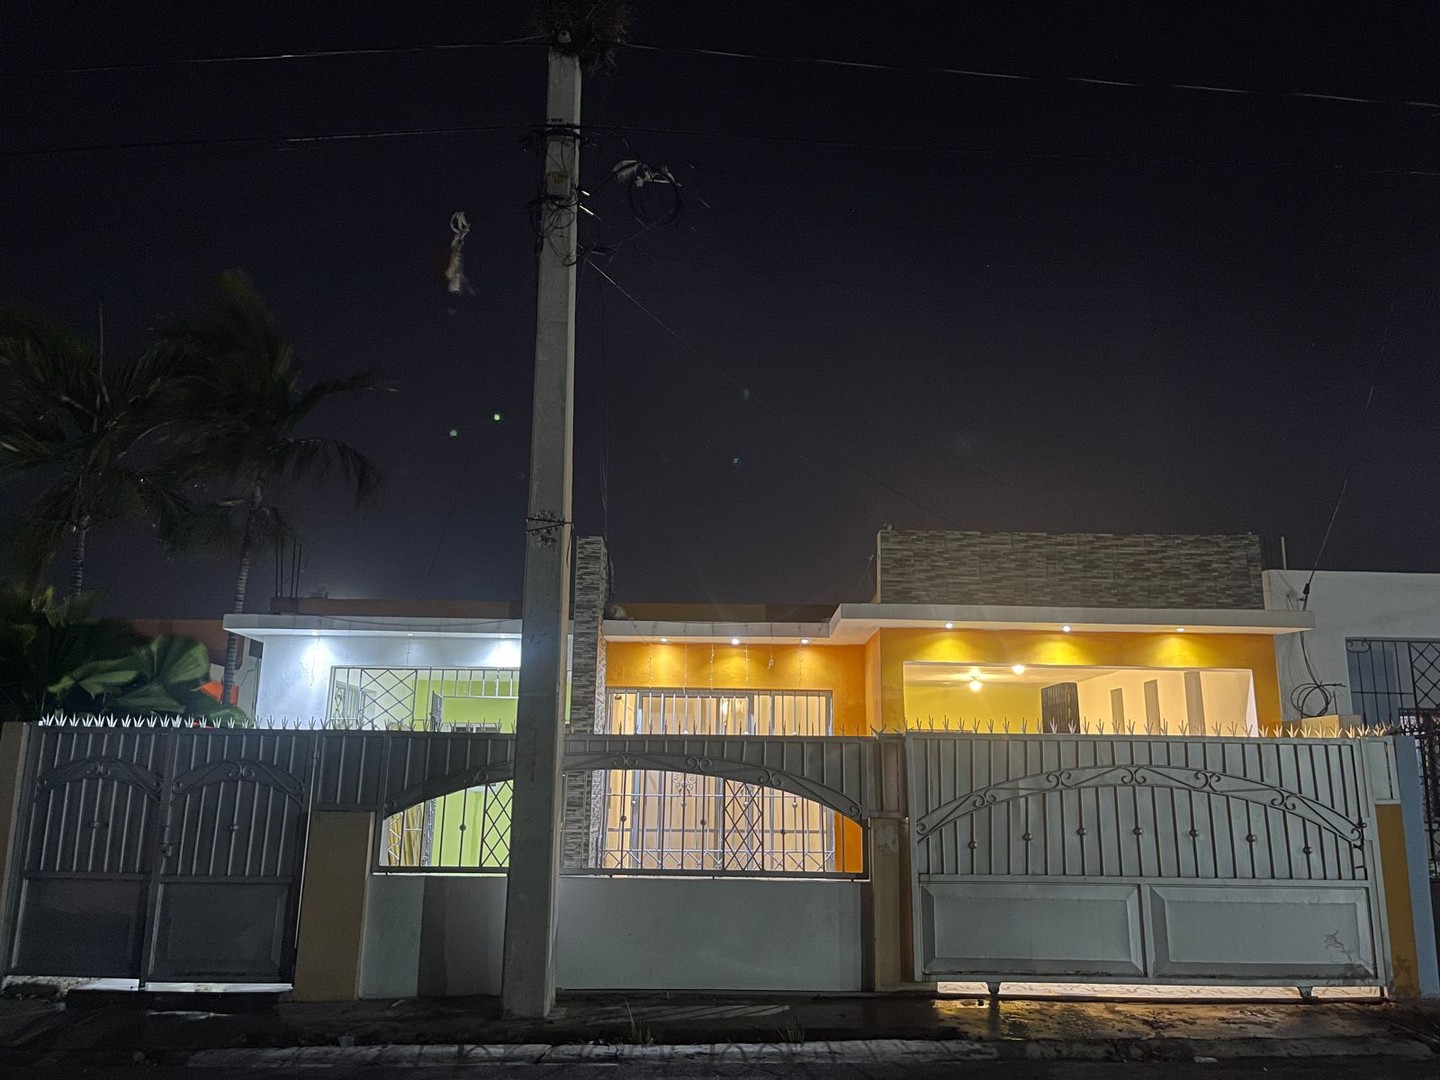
pixel 969 73
pixel 316 54
pixel 536 41
pixel 1303 693
pixel 246 140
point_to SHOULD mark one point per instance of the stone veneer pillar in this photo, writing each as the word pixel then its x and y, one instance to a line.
pixel 587 696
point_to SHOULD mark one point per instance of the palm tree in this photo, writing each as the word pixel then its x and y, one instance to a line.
pixel 81 423
pixel 240 389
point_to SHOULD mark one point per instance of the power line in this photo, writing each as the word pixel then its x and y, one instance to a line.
pixel 258 58
pixel 519 128
pixel 275 140
pixel 537 41
pixel 738 384
pixel 970 73
pixel 981 151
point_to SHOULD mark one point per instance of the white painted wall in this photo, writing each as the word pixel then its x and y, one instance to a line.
pixel 436 934
pixel 295 670
pixel 1347 604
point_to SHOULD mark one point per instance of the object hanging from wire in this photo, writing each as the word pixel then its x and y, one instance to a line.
pixel 654 193
pixel 455 279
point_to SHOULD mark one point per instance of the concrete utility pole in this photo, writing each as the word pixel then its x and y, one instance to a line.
pixel 528 975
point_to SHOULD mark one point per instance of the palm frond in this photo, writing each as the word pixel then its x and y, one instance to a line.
pixel 315 457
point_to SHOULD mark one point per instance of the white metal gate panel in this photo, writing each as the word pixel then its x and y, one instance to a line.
pixel 1125 859
pixel 159 853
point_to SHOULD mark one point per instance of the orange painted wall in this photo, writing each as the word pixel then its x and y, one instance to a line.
pixel 840 669
pixel 837 668
pixel 1255 652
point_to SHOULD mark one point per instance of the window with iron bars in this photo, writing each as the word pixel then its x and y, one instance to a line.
pixel 1395 684
pixel 678 822
pixel 467 829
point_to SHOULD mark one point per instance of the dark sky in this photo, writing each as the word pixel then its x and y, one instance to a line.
pixel 952 301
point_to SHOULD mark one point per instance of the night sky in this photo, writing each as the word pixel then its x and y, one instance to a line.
pixel 895 296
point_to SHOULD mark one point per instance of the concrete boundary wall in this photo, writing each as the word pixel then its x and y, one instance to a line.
pixel 441 935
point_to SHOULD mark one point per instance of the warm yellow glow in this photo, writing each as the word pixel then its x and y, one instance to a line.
pixel 664 641
pixel 1065 629
pixel 976 685
pixel 804 641
pixel 1018 669
pixel 949 626
pixel 734 641
pixel 1179 629
pixel 974 673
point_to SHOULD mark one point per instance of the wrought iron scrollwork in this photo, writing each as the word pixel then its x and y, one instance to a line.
pixel 259 772
pixel 100 768
pixel 1199 781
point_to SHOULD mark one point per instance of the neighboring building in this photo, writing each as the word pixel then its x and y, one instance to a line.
pixel 1374 651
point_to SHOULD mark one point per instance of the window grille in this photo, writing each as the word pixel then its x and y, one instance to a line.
pixel 663 821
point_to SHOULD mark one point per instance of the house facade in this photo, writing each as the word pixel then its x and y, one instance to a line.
pixel 1027 757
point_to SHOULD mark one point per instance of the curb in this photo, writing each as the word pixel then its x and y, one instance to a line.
pixel 849 1052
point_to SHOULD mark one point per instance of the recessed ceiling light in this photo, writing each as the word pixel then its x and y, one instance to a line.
pixel 1065 629
pixel 1018 669
pixel 949 626
pixel 734 641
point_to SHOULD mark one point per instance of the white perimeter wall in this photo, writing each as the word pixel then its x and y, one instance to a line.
pixel 295 669
pixel 1347 605
pixel 435 934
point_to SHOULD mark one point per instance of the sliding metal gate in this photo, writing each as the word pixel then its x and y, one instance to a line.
pixel 162 854
pixel 1118 859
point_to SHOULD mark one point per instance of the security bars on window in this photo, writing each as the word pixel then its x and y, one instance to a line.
pixel 467 829
pixel 678 822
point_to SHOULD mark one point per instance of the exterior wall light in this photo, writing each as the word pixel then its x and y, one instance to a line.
pixel 1018 669
pixel 949 626
pixel 1065 629
pixel 804 641
pixel 976 685
pixel 734 641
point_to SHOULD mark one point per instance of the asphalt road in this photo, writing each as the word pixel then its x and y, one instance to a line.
pixel 1358 1068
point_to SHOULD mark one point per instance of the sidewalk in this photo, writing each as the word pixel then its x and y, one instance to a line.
pixel 219 1029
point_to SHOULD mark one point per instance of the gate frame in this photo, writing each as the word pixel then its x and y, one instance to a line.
pixel 1372 756
pixel 170 739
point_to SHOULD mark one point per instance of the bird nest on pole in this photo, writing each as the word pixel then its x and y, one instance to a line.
pixel 586 29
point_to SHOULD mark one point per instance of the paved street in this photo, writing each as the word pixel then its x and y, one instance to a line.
pixel 1349 1068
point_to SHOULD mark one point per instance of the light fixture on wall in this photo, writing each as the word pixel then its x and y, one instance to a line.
pixel 734 641
pixel 804 641
pixel 314 633
pixel 1065 629
pixel 664 641
pixel 1018 669
pixel 976 685
pixel 949 626
pixel 1179 629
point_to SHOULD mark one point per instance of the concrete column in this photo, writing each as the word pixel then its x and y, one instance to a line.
pixel 331 940
pixel 14 743
pixel 885 919
pixel 528 979
pixel 1404 860
pixel 1194 704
